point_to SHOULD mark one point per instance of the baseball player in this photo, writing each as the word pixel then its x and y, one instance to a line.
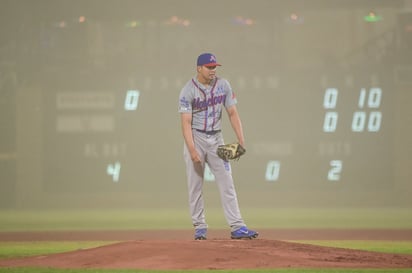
pixel 201 103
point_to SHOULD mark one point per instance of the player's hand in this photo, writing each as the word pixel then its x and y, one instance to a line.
pixel 242 144
pixel 195 156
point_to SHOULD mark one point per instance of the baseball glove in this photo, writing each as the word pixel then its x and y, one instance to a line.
pixel 232 151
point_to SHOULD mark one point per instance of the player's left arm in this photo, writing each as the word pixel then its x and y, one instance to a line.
pixel 236 123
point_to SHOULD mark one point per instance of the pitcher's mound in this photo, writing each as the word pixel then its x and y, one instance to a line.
pixel 214 254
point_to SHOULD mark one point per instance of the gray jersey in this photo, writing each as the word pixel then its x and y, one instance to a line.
pixel 206 104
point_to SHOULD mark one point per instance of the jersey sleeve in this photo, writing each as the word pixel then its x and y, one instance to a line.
pixel 185 100
pixel 230 95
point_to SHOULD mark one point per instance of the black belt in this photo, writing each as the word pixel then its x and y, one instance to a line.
pixel 208 132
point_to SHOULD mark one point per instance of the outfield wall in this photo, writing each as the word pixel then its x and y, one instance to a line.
pixel 323 93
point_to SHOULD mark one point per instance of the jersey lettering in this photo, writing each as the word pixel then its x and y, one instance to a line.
pixel 203 104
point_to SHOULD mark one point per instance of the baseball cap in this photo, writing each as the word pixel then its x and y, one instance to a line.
pixel 207 59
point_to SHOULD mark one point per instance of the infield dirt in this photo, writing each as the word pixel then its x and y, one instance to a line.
pixel 176 250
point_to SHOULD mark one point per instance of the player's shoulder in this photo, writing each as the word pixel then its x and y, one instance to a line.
pixel 188 86
pixel 223 82
pixel 188 83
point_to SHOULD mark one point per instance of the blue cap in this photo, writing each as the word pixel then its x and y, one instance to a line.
pixel 207 59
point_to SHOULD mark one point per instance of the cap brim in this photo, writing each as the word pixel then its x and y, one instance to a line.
pixel 212 64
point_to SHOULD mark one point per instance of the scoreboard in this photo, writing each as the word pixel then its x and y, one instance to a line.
pixel 316 130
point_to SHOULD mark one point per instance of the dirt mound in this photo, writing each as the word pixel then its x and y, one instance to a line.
pixel 213 254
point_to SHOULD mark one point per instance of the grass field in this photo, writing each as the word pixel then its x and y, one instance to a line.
pixel 52 220
pixel 356 218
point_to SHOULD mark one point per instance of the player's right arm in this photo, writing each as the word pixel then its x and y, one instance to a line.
pixel 186 119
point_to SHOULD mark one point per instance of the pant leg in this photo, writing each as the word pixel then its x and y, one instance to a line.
pixel 194 173
pixel 224 180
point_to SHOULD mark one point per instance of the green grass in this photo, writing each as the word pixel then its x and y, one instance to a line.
pixel 348 218
pixel 23 249
pixel 41 220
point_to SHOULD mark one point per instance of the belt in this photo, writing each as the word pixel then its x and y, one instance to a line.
pixel 208 132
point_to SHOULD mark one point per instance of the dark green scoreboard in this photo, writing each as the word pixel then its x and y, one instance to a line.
pixel 314 130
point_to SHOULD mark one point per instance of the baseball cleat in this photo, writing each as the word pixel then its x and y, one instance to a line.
pixel 200 234
pixel 244 233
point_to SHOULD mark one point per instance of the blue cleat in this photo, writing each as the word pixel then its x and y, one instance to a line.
pixel 244 233
pixel 200 234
